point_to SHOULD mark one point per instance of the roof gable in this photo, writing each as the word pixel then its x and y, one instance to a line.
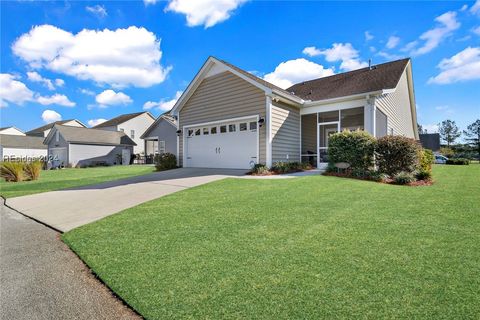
pixel 164 117
pixel 42 129
pixel 122 119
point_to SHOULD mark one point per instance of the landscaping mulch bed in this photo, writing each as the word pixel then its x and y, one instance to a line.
pixel 386 181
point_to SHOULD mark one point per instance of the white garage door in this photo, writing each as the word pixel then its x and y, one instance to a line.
pixel 58 156
pixel 224 145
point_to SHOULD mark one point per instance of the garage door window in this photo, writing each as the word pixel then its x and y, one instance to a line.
pixel 205 131
pixel 197 132
pixel 223 129
pixel 232 128
pixel 190 132
pixel 213 130
pixel 253 126
pixel 243 126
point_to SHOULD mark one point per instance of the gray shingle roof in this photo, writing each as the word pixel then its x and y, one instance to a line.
pixel 27 142
pixel 380 77
pixel 40 130
pixel 94 136
pixel 121 119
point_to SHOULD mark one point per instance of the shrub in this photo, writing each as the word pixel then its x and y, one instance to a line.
pixel 32 170
pixel 376 175
pixel 259 168
pixel 403 178
pixel 12 171
pixel 165 161
pixel 354 147
pixel 447 152
pixel 423 174
pixel 458 161
pixel 286 167
pixel 426 158
pixel 396 154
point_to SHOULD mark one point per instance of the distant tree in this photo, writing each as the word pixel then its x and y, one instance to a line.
pixel 449 131
pixel 419 128
pixel 473 135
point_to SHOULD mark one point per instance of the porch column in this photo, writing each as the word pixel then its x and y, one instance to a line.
pixel 369 117
pixel 268 128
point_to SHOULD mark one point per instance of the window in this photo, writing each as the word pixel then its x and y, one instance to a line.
pixel 57 136
pixel 132 134
pixel 253 126
pixel 190 132
pixel 197 132
pixel 232 128
pixel 223 129
pixel 161 146
pixel 213 130
pixel 205 131
pixel 243 126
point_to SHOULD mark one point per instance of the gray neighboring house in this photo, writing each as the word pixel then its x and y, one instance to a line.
pixel 161 137
pixel 76 146
pixel 430 141
pixel 133 124
pixel 45 129
pixel 18 146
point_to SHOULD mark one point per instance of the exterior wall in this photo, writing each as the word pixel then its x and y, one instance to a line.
pixel 53 144
pixel 22 152
pixel 12 131
pixel 224 96
pixel 396 106
pixel 84 154
pixel 285 132
pixel 111 128
pixel 165 131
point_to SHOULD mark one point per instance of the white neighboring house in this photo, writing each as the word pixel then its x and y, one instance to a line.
pixel 133 124
pixel 44 130
pixel 21 147
pixel 12 131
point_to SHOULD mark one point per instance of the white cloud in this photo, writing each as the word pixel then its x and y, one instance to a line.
pixel 162 105
pixel 120 58
pixel 36 77
pixel 430 128
pixel 87 92
pixel 59 82
pixel 13 91
pixel 59 99
pixel 368 36
pixel 147 2
pixel 203 12
pixel 475 8
pixel 389 56
pixel 463 66
pixel 343 52
pixel 476 30
pixel 49 116
pixel 464 8
pixel 294 71
pixel 97 10
pixel 95 122
pixel 392 42
pixel 447 23
pixel 112 98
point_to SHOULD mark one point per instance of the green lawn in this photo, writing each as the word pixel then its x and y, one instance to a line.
pixel 309 248
pixel 66 178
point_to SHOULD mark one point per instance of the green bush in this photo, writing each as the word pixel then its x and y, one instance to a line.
pixel 32 170
pixel 259 168
pixel 354 147
pixel 165 161
pixel 281 167
pixel 458 161
pixel 376 175
pixel 423 174
pixel 447 152
pixel 403 177
pixel 427 159
pixel 395 154
pixel 12 171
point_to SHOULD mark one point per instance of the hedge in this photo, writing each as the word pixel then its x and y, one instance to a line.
pixel 395 154
pixel 354 147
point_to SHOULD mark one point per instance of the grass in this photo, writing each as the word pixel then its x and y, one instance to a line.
pixel 310 247
pixel 66 178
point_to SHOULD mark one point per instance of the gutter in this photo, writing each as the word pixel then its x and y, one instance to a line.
pixel 366 95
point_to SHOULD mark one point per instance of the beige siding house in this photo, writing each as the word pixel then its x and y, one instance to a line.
pixel 229 118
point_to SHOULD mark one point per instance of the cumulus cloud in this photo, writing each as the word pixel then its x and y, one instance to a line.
pixel 13 91
pixel 112 98
pixel 392 42
pixel 164 104
pixel 147 2
pixel 475 9
pixel 343 52
pixel 446 24
pixel 49 116
pixel 97 10
pixel 95 122
pixel 58 99
pixel 203 12
pixel 120 58
pixel 87 92
pixel 368 36
pixel 36 77
pixel 463 66
pixel 290 72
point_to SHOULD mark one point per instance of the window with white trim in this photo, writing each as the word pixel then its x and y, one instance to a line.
pixel 161 146
pixel 132 134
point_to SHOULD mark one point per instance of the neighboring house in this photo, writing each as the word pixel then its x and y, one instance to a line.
pixel 161 137
pixel 229 118
pixel 430 141
pixel 77 146
pixel 44 130
pixel 12 131
pixel 133 124
pixel 17 146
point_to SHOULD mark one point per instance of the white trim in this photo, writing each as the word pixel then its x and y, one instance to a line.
pixel 333 107
pixel 268 128
pixel 346 98
pixel 178 143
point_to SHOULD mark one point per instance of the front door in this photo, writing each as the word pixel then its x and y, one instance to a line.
pixel 325 130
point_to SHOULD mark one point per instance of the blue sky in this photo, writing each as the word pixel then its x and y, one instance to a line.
pixel 93 60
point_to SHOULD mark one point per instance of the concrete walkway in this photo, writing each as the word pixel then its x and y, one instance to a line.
pixel 40 278
pixel 70 208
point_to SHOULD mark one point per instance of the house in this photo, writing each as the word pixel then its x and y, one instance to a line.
pixel 78 146
pixel 12 131
pixel 430 141
pixel 21 147
pixel 133 124
pixel 44 130
pixel 229 118
pixel 161 136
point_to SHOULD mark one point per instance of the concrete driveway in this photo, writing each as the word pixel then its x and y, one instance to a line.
pixel 70 208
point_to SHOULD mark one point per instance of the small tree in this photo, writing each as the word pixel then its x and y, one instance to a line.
pixel 397 154
pixel 449 131
pixel 354 147
pixel 473 135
